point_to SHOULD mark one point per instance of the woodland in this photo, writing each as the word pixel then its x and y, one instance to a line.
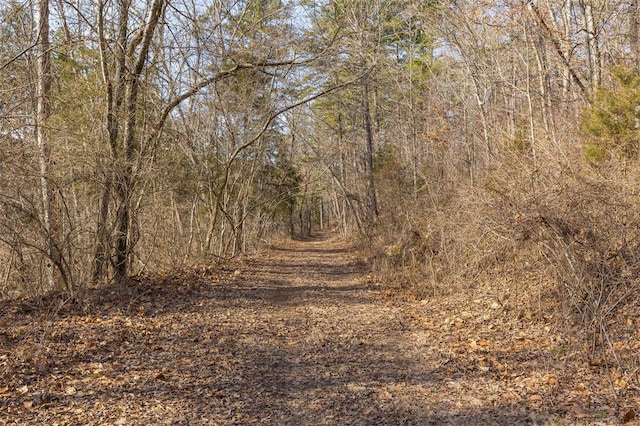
pixel 429 208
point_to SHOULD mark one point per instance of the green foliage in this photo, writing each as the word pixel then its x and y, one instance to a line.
pixel 390 171
pixel 612 122
pixel 261 13
pixel 595 153
pixel 259 20
pixel 278 186
pixel 409 37
pixel 520 143
pixel 387 159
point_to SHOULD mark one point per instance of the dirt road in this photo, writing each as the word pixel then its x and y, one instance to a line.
pixel 294 335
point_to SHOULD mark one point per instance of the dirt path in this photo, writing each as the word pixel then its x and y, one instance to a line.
pixel 294 335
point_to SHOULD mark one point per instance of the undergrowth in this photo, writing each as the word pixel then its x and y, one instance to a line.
pixel 560 241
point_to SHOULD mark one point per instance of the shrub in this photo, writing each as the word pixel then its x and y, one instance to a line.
pixel 612 122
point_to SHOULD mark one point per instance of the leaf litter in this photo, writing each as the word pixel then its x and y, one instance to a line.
pixel 298 334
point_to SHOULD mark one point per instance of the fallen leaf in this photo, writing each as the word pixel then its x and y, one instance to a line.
pixel 385 394
pixel 628 416
pixel 596 362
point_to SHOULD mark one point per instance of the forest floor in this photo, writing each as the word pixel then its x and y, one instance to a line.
pixel 298 334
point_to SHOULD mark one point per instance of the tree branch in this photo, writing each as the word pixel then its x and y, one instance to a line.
pixel 558 47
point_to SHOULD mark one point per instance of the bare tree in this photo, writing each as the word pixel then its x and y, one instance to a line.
pixel 42 114
pixel 634 18
pixel 592 35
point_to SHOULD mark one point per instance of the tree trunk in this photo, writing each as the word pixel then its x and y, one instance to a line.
pixel 343 176
pixel 593 49
pixel 634 46
pixel 123 192
pixel 114 101
pixel 366 110
pixel 125 178
pixel 566 47
pixel 558 45
pixel 43 111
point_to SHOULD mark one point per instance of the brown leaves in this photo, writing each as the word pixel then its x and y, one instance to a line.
pixel 629 416
pixel 296 338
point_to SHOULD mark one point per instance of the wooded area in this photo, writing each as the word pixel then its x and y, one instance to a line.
pixel 465 145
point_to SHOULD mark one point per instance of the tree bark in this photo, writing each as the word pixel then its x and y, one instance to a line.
pixel 366 110
pixel 557 44
pixel 634 46
pixel 114 100
pixel 43 111
pixel 124 181
pixel 593 49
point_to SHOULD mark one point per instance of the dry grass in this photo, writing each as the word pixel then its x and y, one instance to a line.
pixel 559 242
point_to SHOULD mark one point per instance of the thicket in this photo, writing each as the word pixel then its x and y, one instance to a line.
pixel 555 239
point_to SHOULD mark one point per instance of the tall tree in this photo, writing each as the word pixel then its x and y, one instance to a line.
pixel 42 114
pixel 634 22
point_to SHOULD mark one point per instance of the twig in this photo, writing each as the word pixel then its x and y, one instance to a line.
pixel 5 280
pixel 604 334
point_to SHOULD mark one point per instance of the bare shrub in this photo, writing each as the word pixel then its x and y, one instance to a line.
pixel 441 241
pixel 561 239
